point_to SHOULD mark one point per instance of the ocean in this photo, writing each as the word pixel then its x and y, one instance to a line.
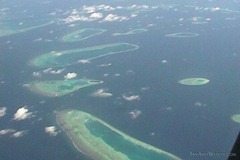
pixel 191 122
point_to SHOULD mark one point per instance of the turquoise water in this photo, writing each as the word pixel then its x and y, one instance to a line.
pixel 120 144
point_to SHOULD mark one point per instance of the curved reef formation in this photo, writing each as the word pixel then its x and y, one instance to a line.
pixel 82 34
pixel 57 88
pixel 69 57
pixel 100 141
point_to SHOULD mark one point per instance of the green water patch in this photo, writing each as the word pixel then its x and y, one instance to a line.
pixel 81 35
pixel 194 81
pixel 134 31
pixel 57 88
pixel 69 57
pixel 100 141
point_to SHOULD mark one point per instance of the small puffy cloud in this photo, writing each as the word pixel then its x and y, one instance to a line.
pixel 114 17
pixel 116 74
pixel 22 113
pixel 105 7
pixel 105 65
pixel 89 9
pixel 51 130
pixel 52 71
pixel 74 18
pixel 19 134
pixel 145 88
pixel 83 61
pixel 135 113
pixel 70 75
pixel 199 104
pixel 74 11
pixel 105 74
pixel 37 74
pixel 164 61
pixel 56 71
pixel 3 111
pixel 102 93
pixel 215 9
pixel 96 16
pixel 131 98
pixel 7 131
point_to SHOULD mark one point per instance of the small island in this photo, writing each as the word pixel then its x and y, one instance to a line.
pixel 57 88
pixel 100 141
pixel 194 81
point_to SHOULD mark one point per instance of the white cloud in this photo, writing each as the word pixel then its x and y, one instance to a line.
pixel 74 18
pixel 131 98
pixel 22 113
pixel 105 7
pixel 74 11
pixel 105 74
pixel 83 61
pixel 96 16
pixel 37 74
pixel 105 65
pixel 114 17
pixel 89 9
pixel 199 104
pixel 145 88
pixel 18 134
pixel 56 71
pixel 164 61
pixel 70 75
pixel 101 93
pixel 135 113
pixel 3 111
pixel 116 74
pixel 52 71
pixel 51 130
pixel 7 131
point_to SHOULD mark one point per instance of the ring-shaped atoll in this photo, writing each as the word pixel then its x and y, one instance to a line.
pixel 100 141
pixel 182 35
pixel 134 31
pixel 82 34
pixel 236 118
pixel 57 88
pixel 194 81
pixel 69 57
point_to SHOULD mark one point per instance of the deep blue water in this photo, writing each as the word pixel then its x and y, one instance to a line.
pixel 168 109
